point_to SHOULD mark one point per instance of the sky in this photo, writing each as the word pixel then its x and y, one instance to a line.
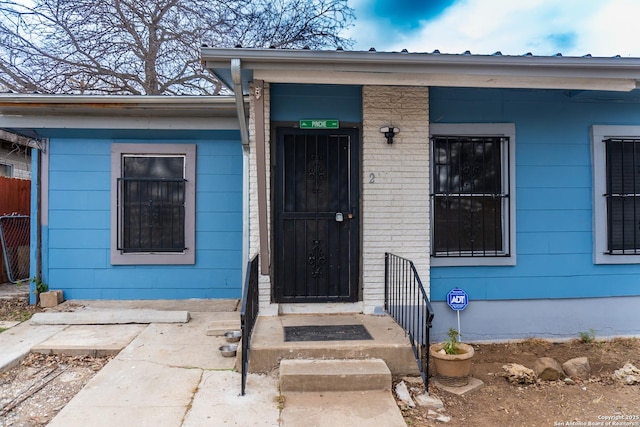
pixel 514 27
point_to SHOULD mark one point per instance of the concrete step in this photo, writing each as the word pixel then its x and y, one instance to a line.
pixel 334 375
pixel 389 342
pixel 223 322
pixel 348 408
pixel 109 317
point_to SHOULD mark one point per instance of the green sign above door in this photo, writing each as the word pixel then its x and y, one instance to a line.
pixel 319 124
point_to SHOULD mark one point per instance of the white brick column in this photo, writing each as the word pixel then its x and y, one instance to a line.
pixel 395 185
pixel 264 284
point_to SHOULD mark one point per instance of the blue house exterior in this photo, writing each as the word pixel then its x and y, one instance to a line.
pixel 75 204
pixel 550 250
pixel 560 262
pixel 555 288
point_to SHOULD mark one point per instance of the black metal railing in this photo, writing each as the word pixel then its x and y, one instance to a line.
pixel 406 301
pixel 15 238
pixel 248 315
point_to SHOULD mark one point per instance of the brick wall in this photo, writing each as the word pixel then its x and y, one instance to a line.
pixel 395 189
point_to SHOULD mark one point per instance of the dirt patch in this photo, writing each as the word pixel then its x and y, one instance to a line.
pixel 36 390
pixel 17 309
pixel 32 393
pixel 556 403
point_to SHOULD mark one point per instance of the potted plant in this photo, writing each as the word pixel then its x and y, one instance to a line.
pixel 452 360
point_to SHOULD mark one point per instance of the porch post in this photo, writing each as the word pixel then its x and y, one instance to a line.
pixel 261 176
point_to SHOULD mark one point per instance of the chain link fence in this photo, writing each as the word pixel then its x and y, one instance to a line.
pixel 15 235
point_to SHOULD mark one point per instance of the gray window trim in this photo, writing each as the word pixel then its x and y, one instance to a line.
pixel 598 156
pixel 484 129
pixel 186 257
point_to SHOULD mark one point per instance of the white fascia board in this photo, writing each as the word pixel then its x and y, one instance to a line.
pixel 146 101
pixel 447 80
pixel 123 111
pixel 118 122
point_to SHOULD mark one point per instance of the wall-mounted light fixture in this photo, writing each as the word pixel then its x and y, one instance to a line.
pixel 389 132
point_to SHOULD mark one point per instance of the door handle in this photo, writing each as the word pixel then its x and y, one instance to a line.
pixel 340 217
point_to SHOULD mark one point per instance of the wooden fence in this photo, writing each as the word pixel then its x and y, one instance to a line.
pixel 15 198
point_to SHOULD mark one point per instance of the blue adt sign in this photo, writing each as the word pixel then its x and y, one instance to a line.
pixel 457 299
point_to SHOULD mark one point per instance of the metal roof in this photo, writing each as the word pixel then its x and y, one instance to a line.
pixel 426 69
pixel 117 111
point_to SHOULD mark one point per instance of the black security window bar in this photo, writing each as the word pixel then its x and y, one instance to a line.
pixel 151 204
pixel 470 196
pixel 622 196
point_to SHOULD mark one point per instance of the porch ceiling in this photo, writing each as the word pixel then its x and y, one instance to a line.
pixel 426 69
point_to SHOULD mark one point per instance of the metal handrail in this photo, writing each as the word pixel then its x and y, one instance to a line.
pixel 405 299
pixel 248 315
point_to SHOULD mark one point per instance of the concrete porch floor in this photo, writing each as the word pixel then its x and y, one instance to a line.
pixel 389 342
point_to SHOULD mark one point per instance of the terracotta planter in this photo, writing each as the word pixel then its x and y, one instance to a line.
pixel 452 369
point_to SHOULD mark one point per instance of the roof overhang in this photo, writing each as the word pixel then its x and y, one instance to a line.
pixel 118 111
pixel 426 69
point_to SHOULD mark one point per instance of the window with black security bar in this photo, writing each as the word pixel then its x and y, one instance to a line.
pixel 623 196
pixel 470 205
pixel 151 204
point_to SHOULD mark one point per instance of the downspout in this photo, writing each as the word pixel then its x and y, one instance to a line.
pixel 39 213
pixel 244 136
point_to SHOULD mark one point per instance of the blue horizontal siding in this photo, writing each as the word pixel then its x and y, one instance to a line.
pixel 294 102
pixel 79 219
pixel 554 236
pixel 548 176
pixel 82 200
pixel 80 163
pixel 551 198
pixel 77 238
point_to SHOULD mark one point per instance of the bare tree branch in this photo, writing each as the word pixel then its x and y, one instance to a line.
pixel 149 46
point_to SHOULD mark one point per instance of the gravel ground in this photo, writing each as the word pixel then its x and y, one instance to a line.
pixel 32 393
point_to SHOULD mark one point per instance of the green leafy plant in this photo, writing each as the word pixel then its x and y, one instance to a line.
pixel 450 345
pixel 587 337
pixel 40 285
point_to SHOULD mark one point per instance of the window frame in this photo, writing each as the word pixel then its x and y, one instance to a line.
pixel 9 168
pixel 507 130
pixel 599 133
pixel 118 150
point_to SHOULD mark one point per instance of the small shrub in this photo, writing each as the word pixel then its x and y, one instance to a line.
pixel 40 285
pixel 450 345
pixel 587 337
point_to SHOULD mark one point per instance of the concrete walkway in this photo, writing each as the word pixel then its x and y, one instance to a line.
pixel 172 374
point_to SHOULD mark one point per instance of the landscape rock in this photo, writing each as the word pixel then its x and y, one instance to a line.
pixel 518 374
pixel 443 418
pixel 548 369
pixel 427 401
pixel 403 394
pixel 629 374
pixel 577 368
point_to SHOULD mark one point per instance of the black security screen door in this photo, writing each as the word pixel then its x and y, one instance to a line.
pixel 316 216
